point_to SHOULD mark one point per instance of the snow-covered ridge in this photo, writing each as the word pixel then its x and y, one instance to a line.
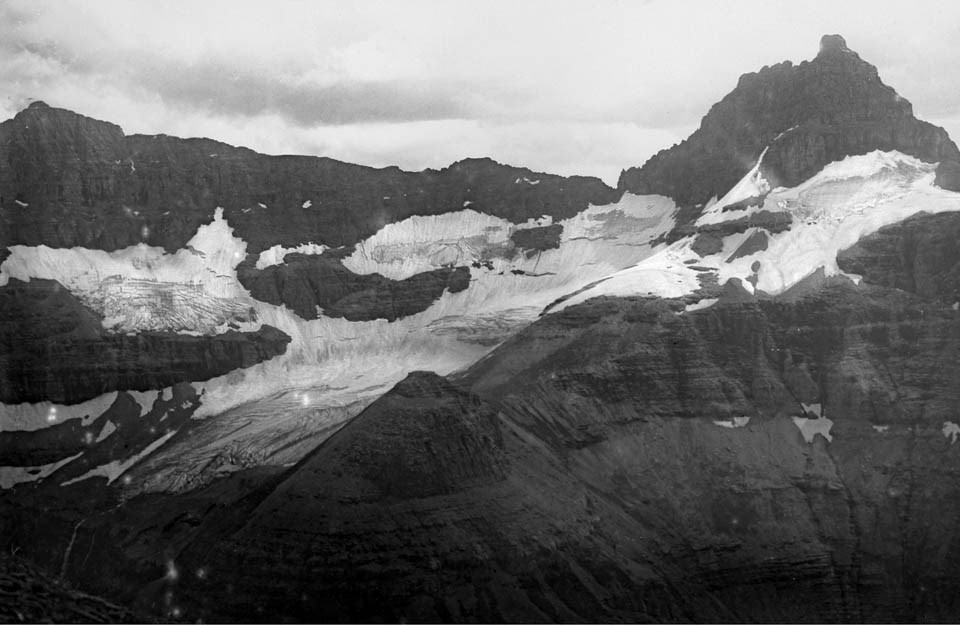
pixel 753 186
pixel 831 211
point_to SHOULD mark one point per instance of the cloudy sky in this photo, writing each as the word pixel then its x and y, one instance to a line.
pixel 560 86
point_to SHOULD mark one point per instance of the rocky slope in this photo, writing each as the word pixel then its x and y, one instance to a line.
pixel 760 460
pixel 29 596
pixel 804 115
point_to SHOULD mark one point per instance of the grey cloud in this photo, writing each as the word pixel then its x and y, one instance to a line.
pixel 222 89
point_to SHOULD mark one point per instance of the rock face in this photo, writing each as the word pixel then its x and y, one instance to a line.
pixel 948 176
pixel 54 349
pixel 920 255
pixel 804 115
pixel 538 239
pixel 30 596
pixel 308 284
pixel 67 180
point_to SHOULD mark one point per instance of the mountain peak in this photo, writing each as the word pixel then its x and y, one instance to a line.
pixel 38 104
pixel 800 117
pixel 832 44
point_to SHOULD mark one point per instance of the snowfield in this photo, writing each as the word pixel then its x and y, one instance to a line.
pixel 194 291
pixel 831 211
pixel 332 367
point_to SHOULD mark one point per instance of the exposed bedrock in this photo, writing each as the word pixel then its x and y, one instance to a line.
pixel 31 596
pixel 312 285
pixel 52 348
pixel 920 254
pixel 808 114
pixel 539 239
pixel 67 180
pixel 948 176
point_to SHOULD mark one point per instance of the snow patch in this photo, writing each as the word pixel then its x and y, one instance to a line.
pixel 276 254
pixel 811 427
pixel 306 204
pixel 812 408
pixel 951 430
pixel 881 428
pixel 21 204
pixel 701 305
pixel 735 422
pixel 10 476
pixel 145 399
pixel 115 469
pixel 108 428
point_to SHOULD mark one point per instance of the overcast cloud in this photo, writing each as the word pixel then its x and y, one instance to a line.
pixel 567 87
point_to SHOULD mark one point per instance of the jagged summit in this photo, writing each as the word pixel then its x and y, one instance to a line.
pixel 833 43
pixel 805 116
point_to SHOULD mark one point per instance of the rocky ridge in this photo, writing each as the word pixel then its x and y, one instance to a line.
pixel 67 180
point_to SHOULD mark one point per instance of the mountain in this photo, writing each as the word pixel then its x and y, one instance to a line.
pixel 298 285
pixel 800 117
pixel 724 392
pixel 86 184
pixel 762 460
